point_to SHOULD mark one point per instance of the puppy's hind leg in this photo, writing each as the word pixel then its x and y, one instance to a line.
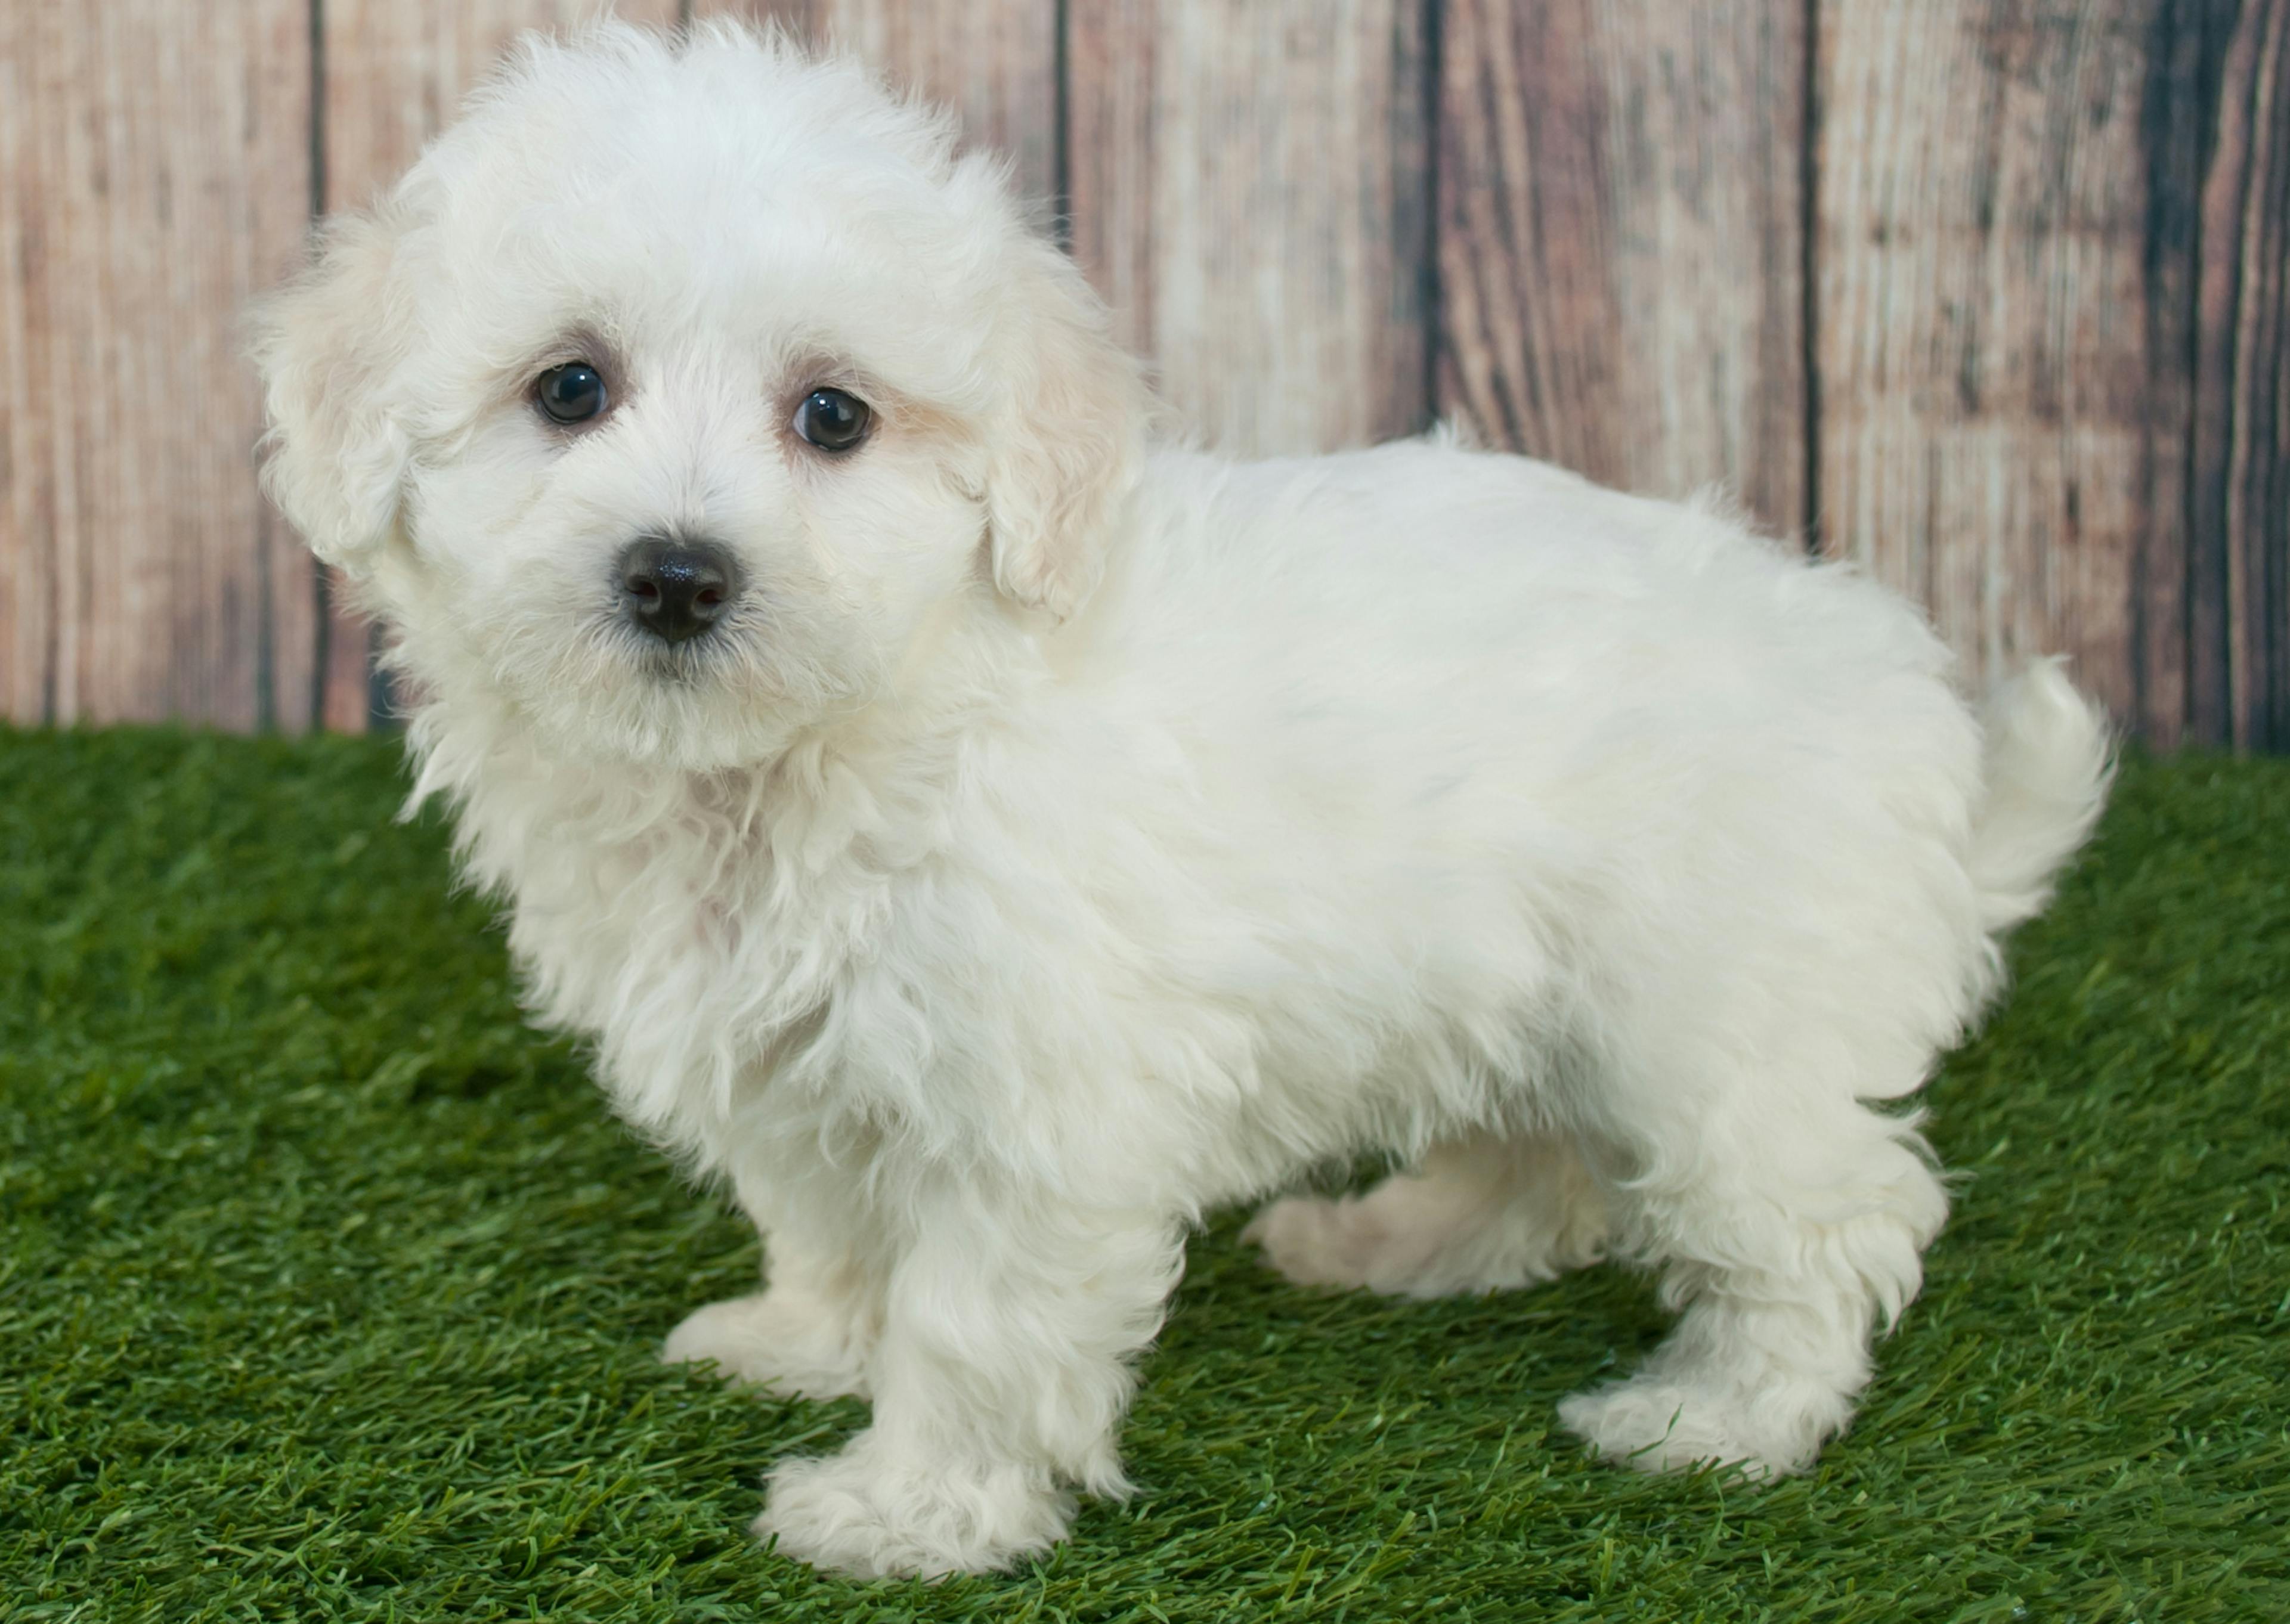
pixel 1789 1224
pixel 1482 1213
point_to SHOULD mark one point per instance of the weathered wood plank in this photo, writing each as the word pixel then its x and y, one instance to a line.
pixel 395 74
pixel 995 65
pixel 1621 241
pixel 1250 189
pixel 2001 424
pixel 2238 687
pixel 2162 565
pixel 31 168
pixel 156 164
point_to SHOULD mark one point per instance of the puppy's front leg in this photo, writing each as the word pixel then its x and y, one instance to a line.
pixel 999 1379
pixel 806 1333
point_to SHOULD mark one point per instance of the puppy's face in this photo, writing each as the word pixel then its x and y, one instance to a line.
pixel 680 396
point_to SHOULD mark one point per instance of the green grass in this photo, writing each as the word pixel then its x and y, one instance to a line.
pixel 328 1291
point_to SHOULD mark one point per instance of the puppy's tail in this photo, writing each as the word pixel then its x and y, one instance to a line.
pixel 2049 761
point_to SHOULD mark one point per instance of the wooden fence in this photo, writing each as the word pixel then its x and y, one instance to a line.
pixel 1985 293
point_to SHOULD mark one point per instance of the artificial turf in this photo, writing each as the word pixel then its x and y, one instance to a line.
pixel 329 1290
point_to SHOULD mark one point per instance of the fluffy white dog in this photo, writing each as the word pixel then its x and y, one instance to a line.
pixel 990 839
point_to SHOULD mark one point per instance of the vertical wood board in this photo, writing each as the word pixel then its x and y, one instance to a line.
pixel 155 161
pixel 2238 506
pixel 1998 423
pixel 1250 189
pixel 1620 239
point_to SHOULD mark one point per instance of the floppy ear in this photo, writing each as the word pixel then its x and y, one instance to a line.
pixel 334 456
pixel 1068 436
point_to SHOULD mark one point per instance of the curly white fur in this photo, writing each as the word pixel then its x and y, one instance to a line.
pixel 1068 833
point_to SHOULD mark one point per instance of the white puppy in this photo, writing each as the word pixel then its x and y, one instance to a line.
pixel 989 840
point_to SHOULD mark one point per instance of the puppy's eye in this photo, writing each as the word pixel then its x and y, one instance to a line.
pixel 833 421
pixel 570 394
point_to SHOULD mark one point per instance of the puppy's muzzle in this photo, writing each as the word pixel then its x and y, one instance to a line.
pixel 675 588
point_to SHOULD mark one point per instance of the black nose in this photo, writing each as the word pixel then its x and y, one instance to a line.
pixel 677 589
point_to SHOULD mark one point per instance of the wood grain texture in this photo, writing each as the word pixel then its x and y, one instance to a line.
pixel 155 158
pixel 2238 687
pixel 1250 189
pixel 2000 424
pixel 2181 53
pixel 993 63
pixel 2043 388
pixel 1621 241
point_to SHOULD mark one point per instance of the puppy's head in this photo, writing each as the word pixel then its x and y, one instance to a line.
pixel 683 389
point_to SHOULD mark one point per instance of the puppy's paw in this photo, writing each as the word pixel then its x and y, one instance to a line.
pixel 870 1515
pixel 798 1345
pixel 1403 1248
pixel 1315 1241
pixel 1657 1425
pixel 1477 1219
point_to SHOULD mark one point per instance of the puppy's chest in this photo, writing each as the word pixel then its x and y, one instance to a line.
pixel 687 959
pixel 642 922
